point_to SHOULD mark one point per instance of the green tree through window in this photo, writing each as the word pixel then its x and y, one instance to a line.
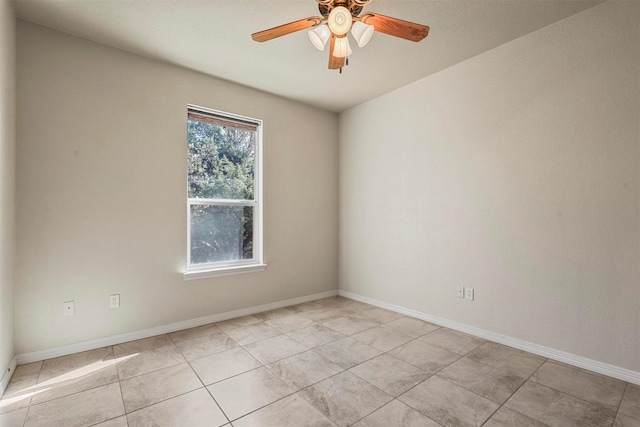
pixel 221 189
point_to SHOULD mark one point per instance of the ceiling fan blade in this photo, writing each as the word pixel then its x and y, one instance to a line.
pixel 396 27
pixel 283 30
pixel 335 63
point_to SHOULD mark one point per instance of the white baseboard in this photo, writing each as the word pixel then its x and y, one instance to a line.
pixel 7 375
pixel 36 356
pixel 560 356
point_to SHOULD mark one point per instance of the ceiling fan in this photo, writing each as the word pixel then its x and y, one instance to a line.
pixel 338 18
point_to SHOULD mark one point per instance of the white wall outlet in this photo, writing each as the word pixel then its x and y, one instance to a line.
pixel 69 308
pixel 460 291
pixel 468 293
pixel 114 301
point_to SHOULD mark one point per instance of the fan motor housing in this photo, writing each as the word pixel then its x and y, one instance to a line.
pixel 355 6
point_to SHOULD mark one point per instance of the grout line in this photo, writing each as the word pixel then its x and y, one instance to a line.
pixel 218 405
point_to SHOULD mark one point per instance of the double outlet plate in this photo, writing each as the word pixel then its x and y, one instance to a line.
pixel 464 292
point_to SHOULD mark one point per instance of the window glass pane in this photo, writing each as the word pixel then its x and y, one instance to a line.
pixel 221 233
pixel 221 161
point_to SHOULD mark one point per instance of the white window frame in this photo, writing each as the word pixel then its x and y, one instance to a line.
pixel 224 268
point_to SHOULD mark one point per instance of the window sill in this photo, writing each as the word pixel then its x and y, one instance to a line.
pixel 226 271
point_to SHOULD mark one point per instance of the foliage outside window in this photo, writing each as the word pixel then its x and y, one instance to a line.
pixel 223 197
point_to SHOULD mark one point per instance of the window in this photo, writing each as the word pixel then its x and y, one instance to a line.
pixel 223 193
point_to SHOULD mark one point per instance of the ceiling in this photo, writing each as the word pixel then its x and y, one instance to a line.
pixel 213 37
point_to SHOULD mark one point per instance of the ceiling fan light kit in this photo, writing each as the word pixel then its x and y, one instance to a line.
pixel 319 36
pixel 342 48
pixel 339 20
pixel 362 33
pixel 338 17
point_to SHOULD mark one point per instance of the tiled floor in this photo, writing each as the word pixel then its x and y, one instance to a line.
pixel 332 362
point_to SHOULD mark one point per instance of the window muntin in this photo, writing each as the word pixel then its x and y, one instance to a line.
pixel 223 195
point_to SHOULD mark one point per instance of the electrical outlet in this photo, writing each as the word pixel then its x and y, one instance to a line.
pixel 468 293
pixel 114 301
pixel 460 291
pixel 69 308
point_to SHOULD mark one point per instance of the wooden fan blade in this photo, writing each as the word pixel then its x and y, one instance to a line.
pixel 283 30
pixel 334 62
pixel 396 27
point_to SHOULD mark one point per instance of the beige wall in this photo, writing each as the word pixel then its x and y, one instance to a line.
pixel 516 173
pixel 101 193
pixel 7 180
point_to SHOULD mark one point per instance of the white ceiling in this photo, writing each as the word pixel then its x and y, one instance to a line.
pixel 213 37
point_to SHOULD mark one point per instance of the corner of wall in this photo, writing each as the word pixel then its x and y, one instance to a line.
pixel 7 188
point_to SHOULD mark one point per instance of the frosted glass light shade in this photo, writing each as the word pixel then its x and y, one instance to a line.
pixel 362 33
pixel 319 36
pixel 342 49
pixel 339 20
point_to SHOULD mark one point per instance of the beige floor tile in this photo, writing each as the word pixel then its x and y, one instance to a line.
pixel 411 327
pixel 15 402
pixel 349 325
pixel 558 409
pixel 389 374
pixel 195 408
pixel 73 373
pixel 381 338
pixel 345 398
pixel 396 414
pixel 274 314
pixel 429 358
pixel 156 386
pixel 292 411
pixel 315 335
pixel 306 306
pixel 247 392
pixel 290 323
pixel 238 322
pixel 377 315
pixel 334 301
pixel 489 382
pixel 506 358
pixel 274 349
pixel 115 422
pixel 23 380
pixel 453 341
pixel 347 352
pixel 304 369
pixel 147 355
pixel 357 306
pixel 21 388
pixel 449 404
pixel 252 333
pixel 505 417
pixel 323 313
pixel 579 383
pixel 14 418
pixel 191 333
pixel 630 405
pixel 81 409
pixel 139 346
pixel 223 365
pixel 345 304
pixel 626 421
pixel 205 345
